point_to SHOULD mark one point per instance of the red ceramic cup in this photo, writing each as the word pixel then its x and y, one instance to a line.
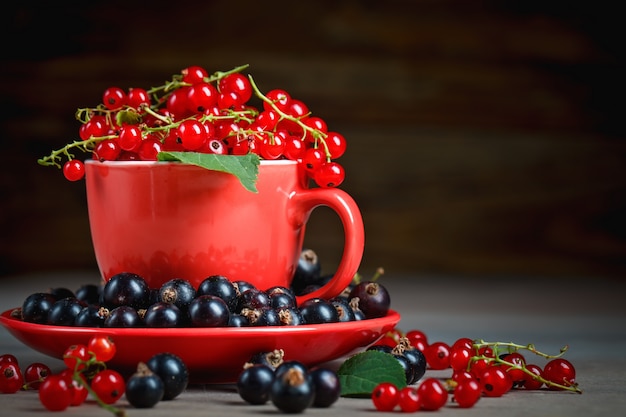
pixel 165 220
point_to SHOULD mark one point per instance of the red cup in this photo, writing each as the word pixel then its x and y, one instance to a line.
pixel 164 220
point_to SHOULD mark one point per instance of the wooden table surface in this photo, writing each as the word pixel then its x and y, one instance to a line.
pixel 585 313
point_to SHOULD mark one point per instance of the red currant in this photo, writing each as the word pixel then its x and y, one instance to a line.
pixel 192 134
pixel 11 378
pixel 108 385
pixel 533 382
pixel 114 98
pixel 336 144
pixel 432 394
pixel 194 74
pixel 560 371
pixel 95 127
pixel 385 396
pixel 76 356
pixel 329 174
pixel 313 158
pixel 149 149
pixel 459 358
pixel 294 148
pixel 8 358
pixel 271 147
pixel 74 170
pixel 201 96
pixel 280 98
pixel 516 373
pixel 78 390
pixel 107 150
pixel 438 355
pixel 408 400
pixel 415 336
pixel 236 83
pixel 35 373
pixel 137 97
pixel 467 393
pixel 102 347
pixel 177 103
pixel 55 394
pixel 463 342
pixel 495 382
pixel 129 138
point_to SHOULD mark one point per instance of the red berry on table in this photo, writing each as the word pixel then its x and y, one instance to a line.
pixel 102 347
pixel 108 385
pixel 495 381
pixel 467 393
pixel 74 170
pixel 385 396
pixel 11 378
pixel 408 400
pixel 76 356
pixel 55 394
pixel 35 373
pixel 533 382
pixel 432 394
pixel 438 355
pixel 560 371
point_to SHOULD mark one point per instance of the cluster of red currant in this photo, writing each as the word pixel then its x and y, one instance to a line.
pixel 86 374
pixel 479 368
pixel 198 112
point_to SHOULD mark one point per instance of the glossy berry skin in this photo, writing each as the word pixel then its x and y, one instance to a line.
pixel 254 384
pixel 144 389
pixel 122 316
pixel 308 269
pixel 292 391
pixel 55 394
pixel 11 378
pixel 109 385
pixel 529 382
pixel 374 299
pixel 35 373
pixel 64 311
pixel 432 394
pixel 172 371
pixel 88 294
pixel 467 393
pixel 327 387
pixel 162 315
pixel 102 347
pixel 385 396
pixel 418 362
pixel 91 316
pixel 36 307
pixel 209 311
pixel 318 311
pixel 560 371
pixel 408 400
pixel 74 170
pixel 126 289
pixel 495 381
pixel 344 311
pixel 438 355
pixel 219 286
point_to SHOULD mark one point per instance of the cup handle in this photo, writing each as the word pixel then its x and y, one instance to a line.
pixel 354 235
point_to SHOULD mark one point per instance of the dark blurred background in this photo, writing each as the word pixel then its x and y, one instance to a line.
pixel 485 137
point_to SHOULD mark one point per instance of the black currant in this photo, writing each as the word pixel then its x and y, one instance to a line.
pixel 89 293
pixel 308 269
pixel 36 307
pixel 60 293
pixel 318 310
pixel 271 359
pixel 64 311
pixel 268 317
pixel 172 371
pixel 126 289
pixel 373 299
pixel 144 389
pixel 162 315
pixel 253 299
pixel 287 365
pixel 209 311
pixel 219 286
pixel 254 384
pixel 292 391
pixel 281 297
pixel 237 320
pixel 343 308
pixel 91 316
pixel 327 387
pixel 290 316
pixel 122 316
pixel 177 291
pixel 418 362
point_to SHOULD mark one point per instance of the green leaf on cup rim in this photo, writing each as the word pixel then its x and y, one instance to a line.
pixel 244 167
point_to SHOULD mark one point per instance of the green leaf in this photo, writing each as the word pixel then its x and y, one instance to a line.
pixel 244 167
pixel 360 374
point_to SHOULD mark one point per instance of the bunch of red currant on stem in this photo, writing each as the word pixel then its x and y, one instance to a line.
pixel 211 114
pixel 479 369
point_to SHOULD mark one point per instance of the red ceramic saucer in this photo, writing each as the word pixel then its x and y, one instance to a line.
pixel 213 355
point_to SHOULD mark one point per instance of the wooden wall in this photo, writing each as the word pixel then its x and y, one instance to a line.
pixel 484 138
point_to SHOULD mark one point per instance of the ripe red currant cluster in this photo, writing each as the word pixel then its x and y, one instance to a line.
pixel 211 114
pixel 479 368
pixel 163 377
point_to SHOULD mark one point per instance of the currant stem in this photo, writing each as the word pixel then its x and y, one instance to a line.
pixel 317 134
pixel 515 347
